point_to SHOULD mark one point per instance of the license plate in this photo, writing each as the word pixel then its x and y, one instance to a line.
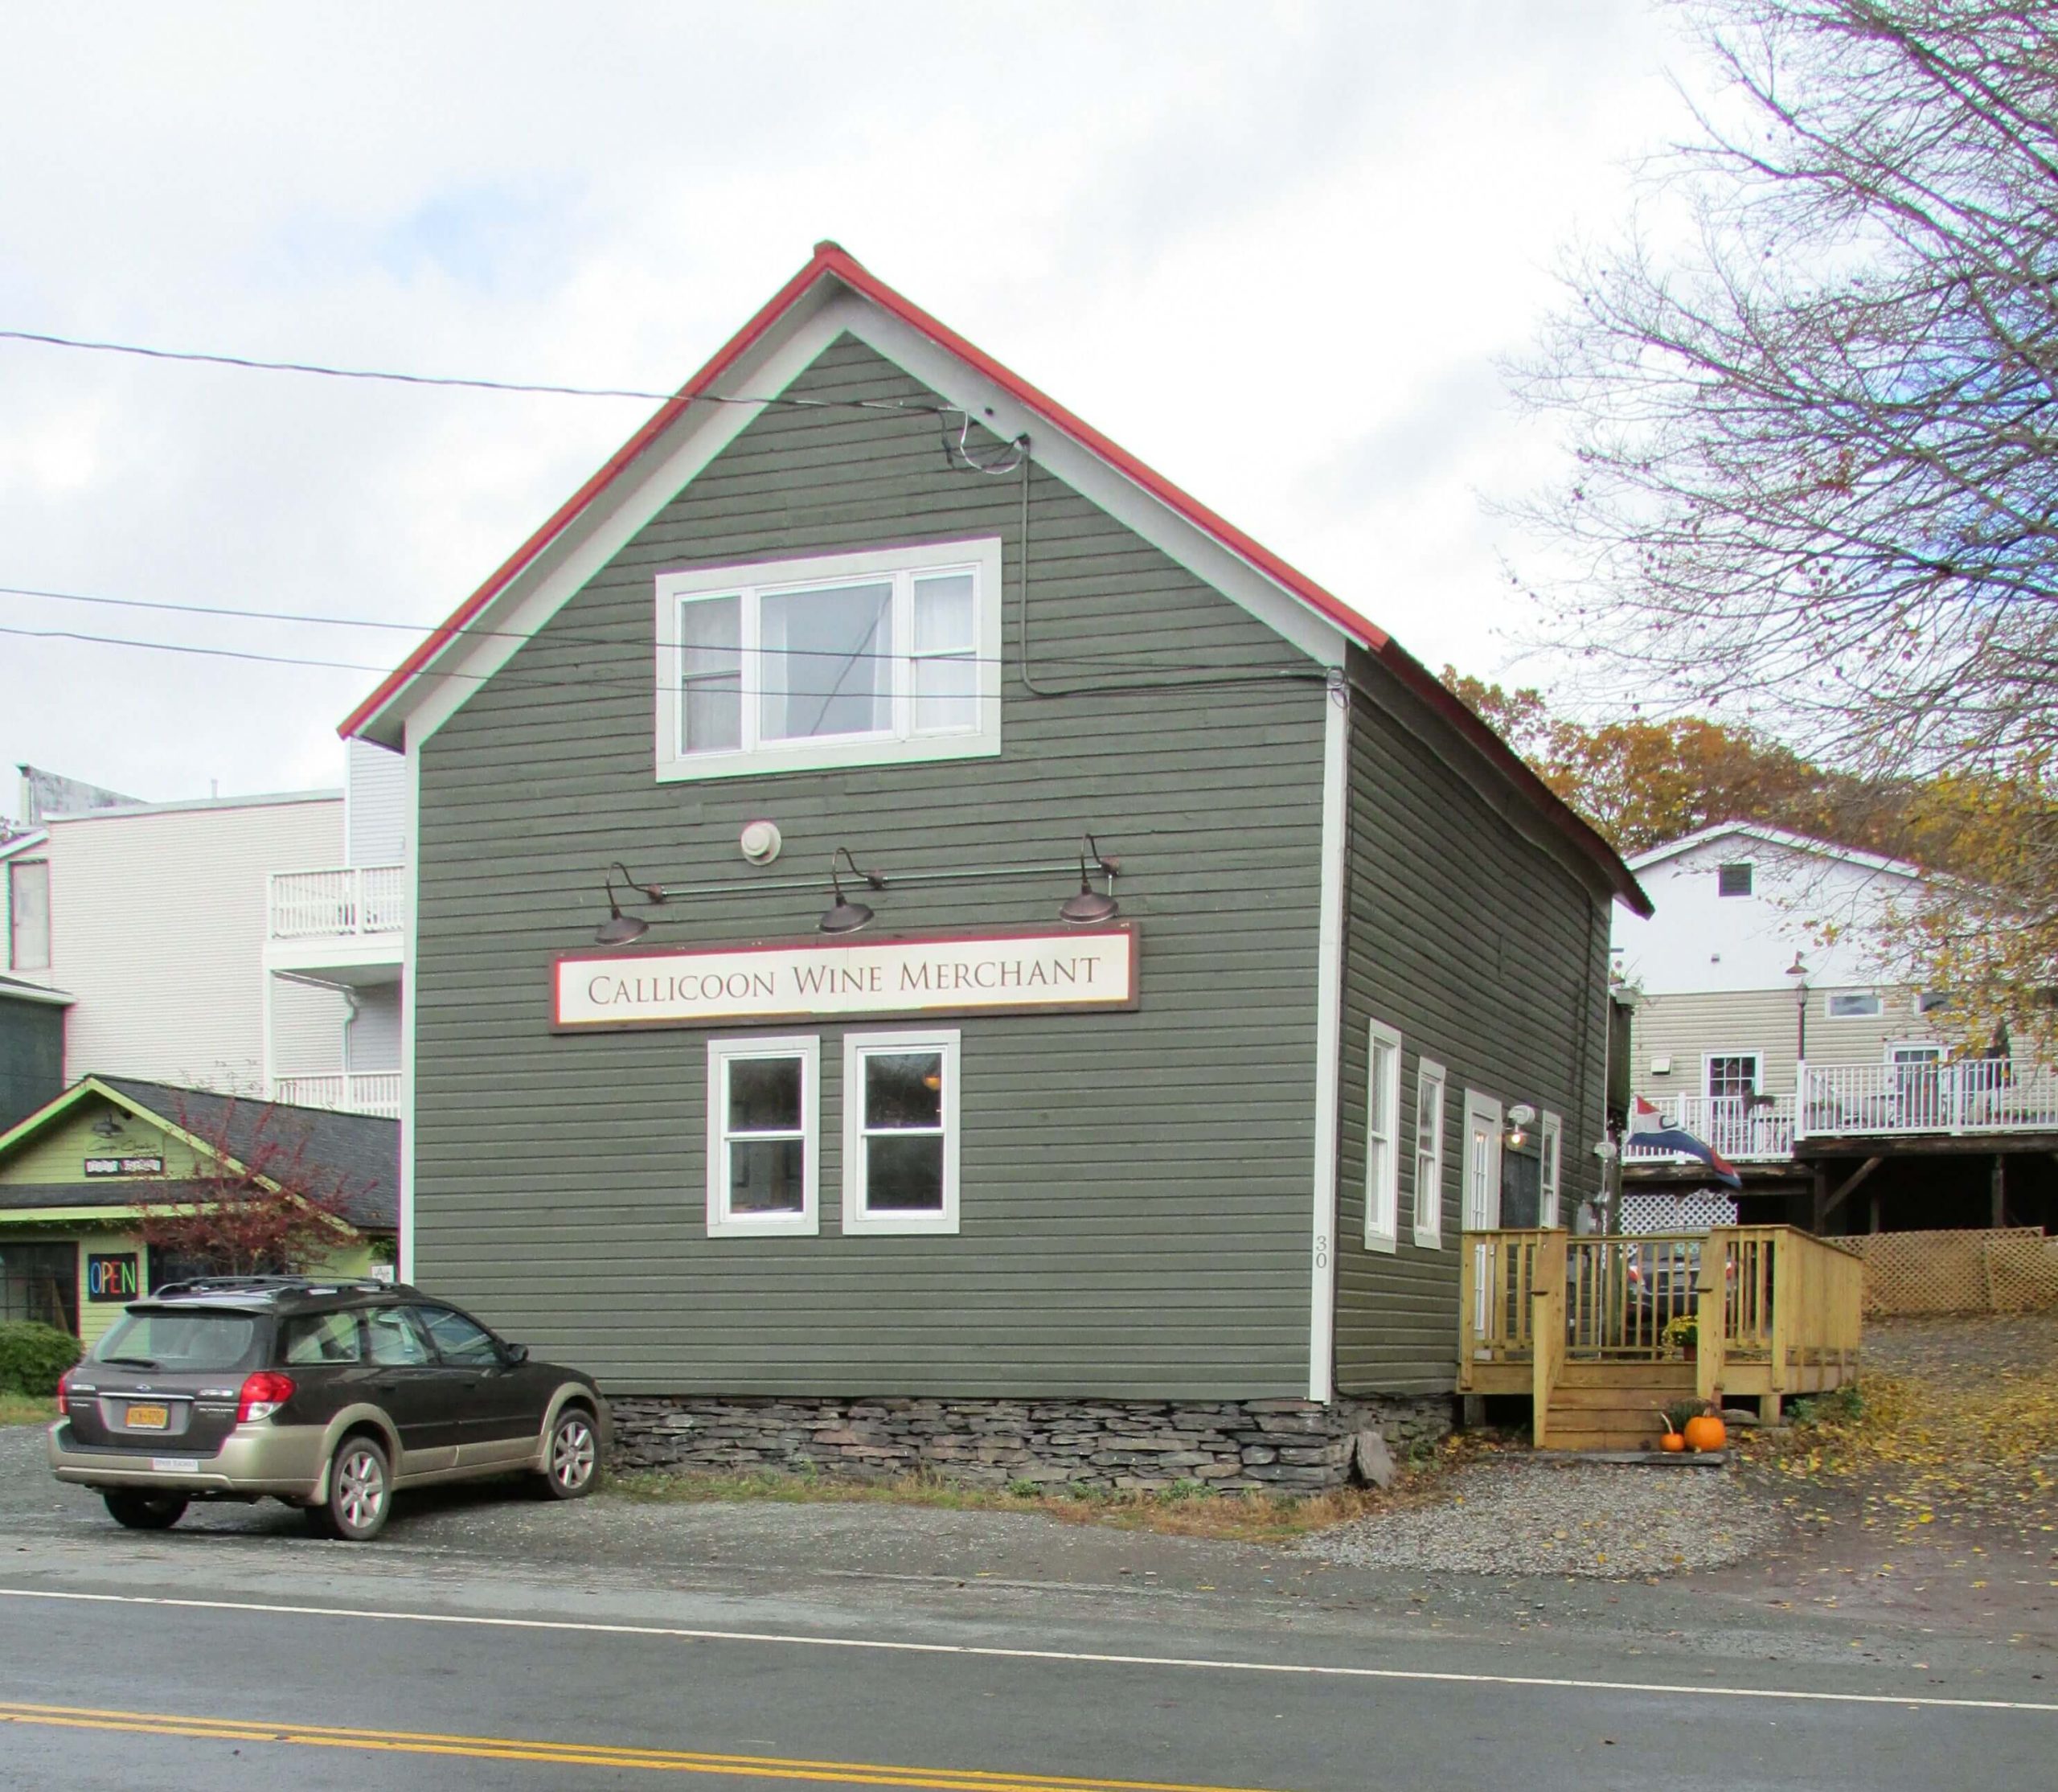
pixel 176 1464
pixel 144 1418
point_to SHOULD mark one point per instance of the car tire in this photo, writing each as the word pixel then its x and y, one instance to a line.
pixel 360 1492
pixel 571 1458
pixel 141 1509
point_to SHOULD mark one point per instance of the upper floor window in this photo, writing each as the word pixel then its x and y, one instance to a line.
pixel 1733 880
pixel 1732 1076
pixel 1854 1005
pixel 28 915
pixel 841 659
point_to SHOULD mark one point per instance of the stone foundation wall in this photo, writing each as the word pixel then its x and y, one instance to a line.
pixel 1281 1444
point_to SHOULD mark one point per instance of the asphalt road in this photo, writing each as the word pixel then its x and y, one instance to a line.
pixel 235 1654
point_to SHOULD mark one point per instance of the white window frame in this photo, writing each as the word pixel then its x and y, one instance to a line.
pixel 1749 867
pixel 1382 1151
pixel 856 1216
pixel 20 913
pixel 1551 1169
pixel 1830 998
pixel 1432 1087
pixel 721 1054
pixel 900 742
pixel 1757 1070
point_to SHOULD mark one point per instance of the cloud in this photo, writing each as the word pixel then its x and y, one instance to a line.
pixel 1270 249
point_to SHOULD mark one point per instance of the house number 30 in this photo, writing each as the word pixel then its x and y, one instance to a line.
pixel 1322 1251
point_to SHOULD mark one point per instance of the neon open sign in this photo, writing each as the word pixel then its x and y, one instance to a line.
pixel 112 1278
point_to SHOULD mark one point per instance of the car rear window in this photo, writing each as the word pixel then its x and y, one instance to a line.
pixel 322 1338
pixel 193 1341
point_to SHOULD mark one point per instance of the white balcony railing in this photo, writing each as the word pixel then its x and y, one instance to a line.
pixel 347 1091
pixel 1743 1129
pixel 1973 1095
pixel 329 905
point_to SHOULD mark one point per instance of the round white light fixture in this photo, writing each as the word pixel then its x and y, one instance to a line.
pixel 760 841
pixel 1521 1114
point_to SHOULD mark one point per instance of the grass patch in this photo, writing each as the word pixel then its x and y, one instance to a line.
pixel 1184 1509
pixel 25 1408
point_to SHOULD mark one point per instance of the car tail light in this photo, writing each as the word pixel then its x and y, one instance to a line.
pixel 263 1393
pixel 64 1388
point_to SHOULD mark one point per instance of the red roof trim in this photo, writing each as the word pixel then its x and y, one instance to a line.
pixel 830 260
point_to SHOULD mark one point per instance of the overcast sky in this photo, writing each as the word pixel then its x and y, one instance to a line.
pixel 1273 250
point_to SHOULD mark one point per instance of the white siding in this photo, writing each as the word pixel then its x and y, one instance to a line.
pixel 373 1042
pixel 1699 939
pixel 1685 1028
pixel 307 1028
pixel 377 806
pixel 157 921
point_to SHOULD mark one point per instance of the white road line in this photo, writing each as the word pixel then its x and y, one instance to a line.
pixel 1312 1669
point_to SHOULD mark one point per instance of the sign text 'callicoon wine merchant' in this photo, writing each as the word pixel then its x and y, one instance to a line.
pixel 960 975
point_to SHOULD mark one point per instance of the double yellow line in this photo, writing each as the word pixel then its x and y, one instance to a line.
pixel 566 1754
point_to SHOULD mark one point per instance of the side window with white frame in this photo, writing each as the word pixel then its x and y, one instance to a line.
pixel 1732 1076
pixel 1852 1005
pixel 1382 1139
pixel 763 1127
pixel 1551 1146
pixel 839 659
pixel 1430 1084
pixel 900 1132
pixel 28 915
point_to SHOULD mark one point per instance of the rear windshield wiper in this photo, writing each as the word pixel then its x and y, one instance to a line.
pixel 131 1362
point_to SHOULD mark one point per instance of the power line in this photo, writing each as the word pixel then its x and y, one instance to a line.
pixel 252 363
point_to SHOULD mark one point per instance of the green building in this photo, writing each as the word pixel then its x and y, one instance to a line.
pixel 930 947
pixel 70 1173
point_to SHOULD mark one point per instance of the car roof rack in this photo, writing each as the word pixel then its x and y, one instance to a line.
pixel 280 1284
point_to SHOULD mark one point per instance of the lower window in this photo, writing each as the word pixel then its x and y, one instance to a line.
pixel 762 1135
pixel 900 1132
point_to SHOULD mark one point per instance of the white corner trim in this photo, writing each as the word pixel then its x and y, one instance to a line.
pixel 856 1219
pixel 1329 1038
pixel 410 881
pixel 722 1051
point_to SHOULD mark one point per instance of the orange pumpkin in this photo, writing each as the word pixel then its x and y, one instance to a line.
pixel 1671 1441
pixel 1707 1432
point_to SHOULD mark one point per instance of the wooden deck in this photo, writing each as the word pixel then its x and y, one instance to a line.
pixel 1578 1324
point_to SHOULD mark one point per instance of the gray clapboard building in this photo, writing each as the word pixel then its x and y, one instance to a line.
pixel 929 947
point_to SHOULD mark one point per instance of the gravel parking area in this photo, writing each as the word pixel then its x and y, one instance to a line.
pixel 1515 1514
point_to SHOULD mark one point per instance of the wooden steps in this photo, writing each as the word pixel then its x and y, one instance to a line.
pixel 1613 1406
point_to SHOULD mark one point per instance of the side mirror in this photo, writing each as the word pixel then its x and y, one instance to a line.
pixel 516 1353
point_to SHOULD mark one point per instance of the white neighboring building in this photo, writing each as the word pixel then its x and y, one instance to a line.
pixel 1815 1067
pixel 239 944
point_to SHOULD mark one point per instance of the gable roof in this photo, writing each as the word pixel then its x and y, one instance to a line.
pixel 360 1148
pixel 831 269
pixel 1775 837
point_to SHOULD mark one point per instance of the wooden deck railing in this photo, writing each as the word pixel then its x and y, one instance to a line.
pixel 1778 1311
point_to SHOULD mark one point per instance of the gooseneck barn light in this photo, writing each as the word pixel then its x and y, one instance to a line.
pixel 1092 906
pixel 844 915
pixel 618 928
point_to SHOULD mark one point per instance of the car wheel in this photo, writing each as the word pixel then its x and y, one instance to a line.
pixel 573 1456
pixel 360 1491
pixel 139 1511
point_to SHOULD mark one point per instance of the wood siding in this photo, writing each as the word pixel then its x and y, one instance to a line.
pixel 1485 944
pixel 1135 1185
pixel 1687 1027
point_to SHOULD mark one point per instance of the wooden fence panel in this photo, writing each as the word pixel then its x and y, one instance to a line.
pixel 1909 1273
